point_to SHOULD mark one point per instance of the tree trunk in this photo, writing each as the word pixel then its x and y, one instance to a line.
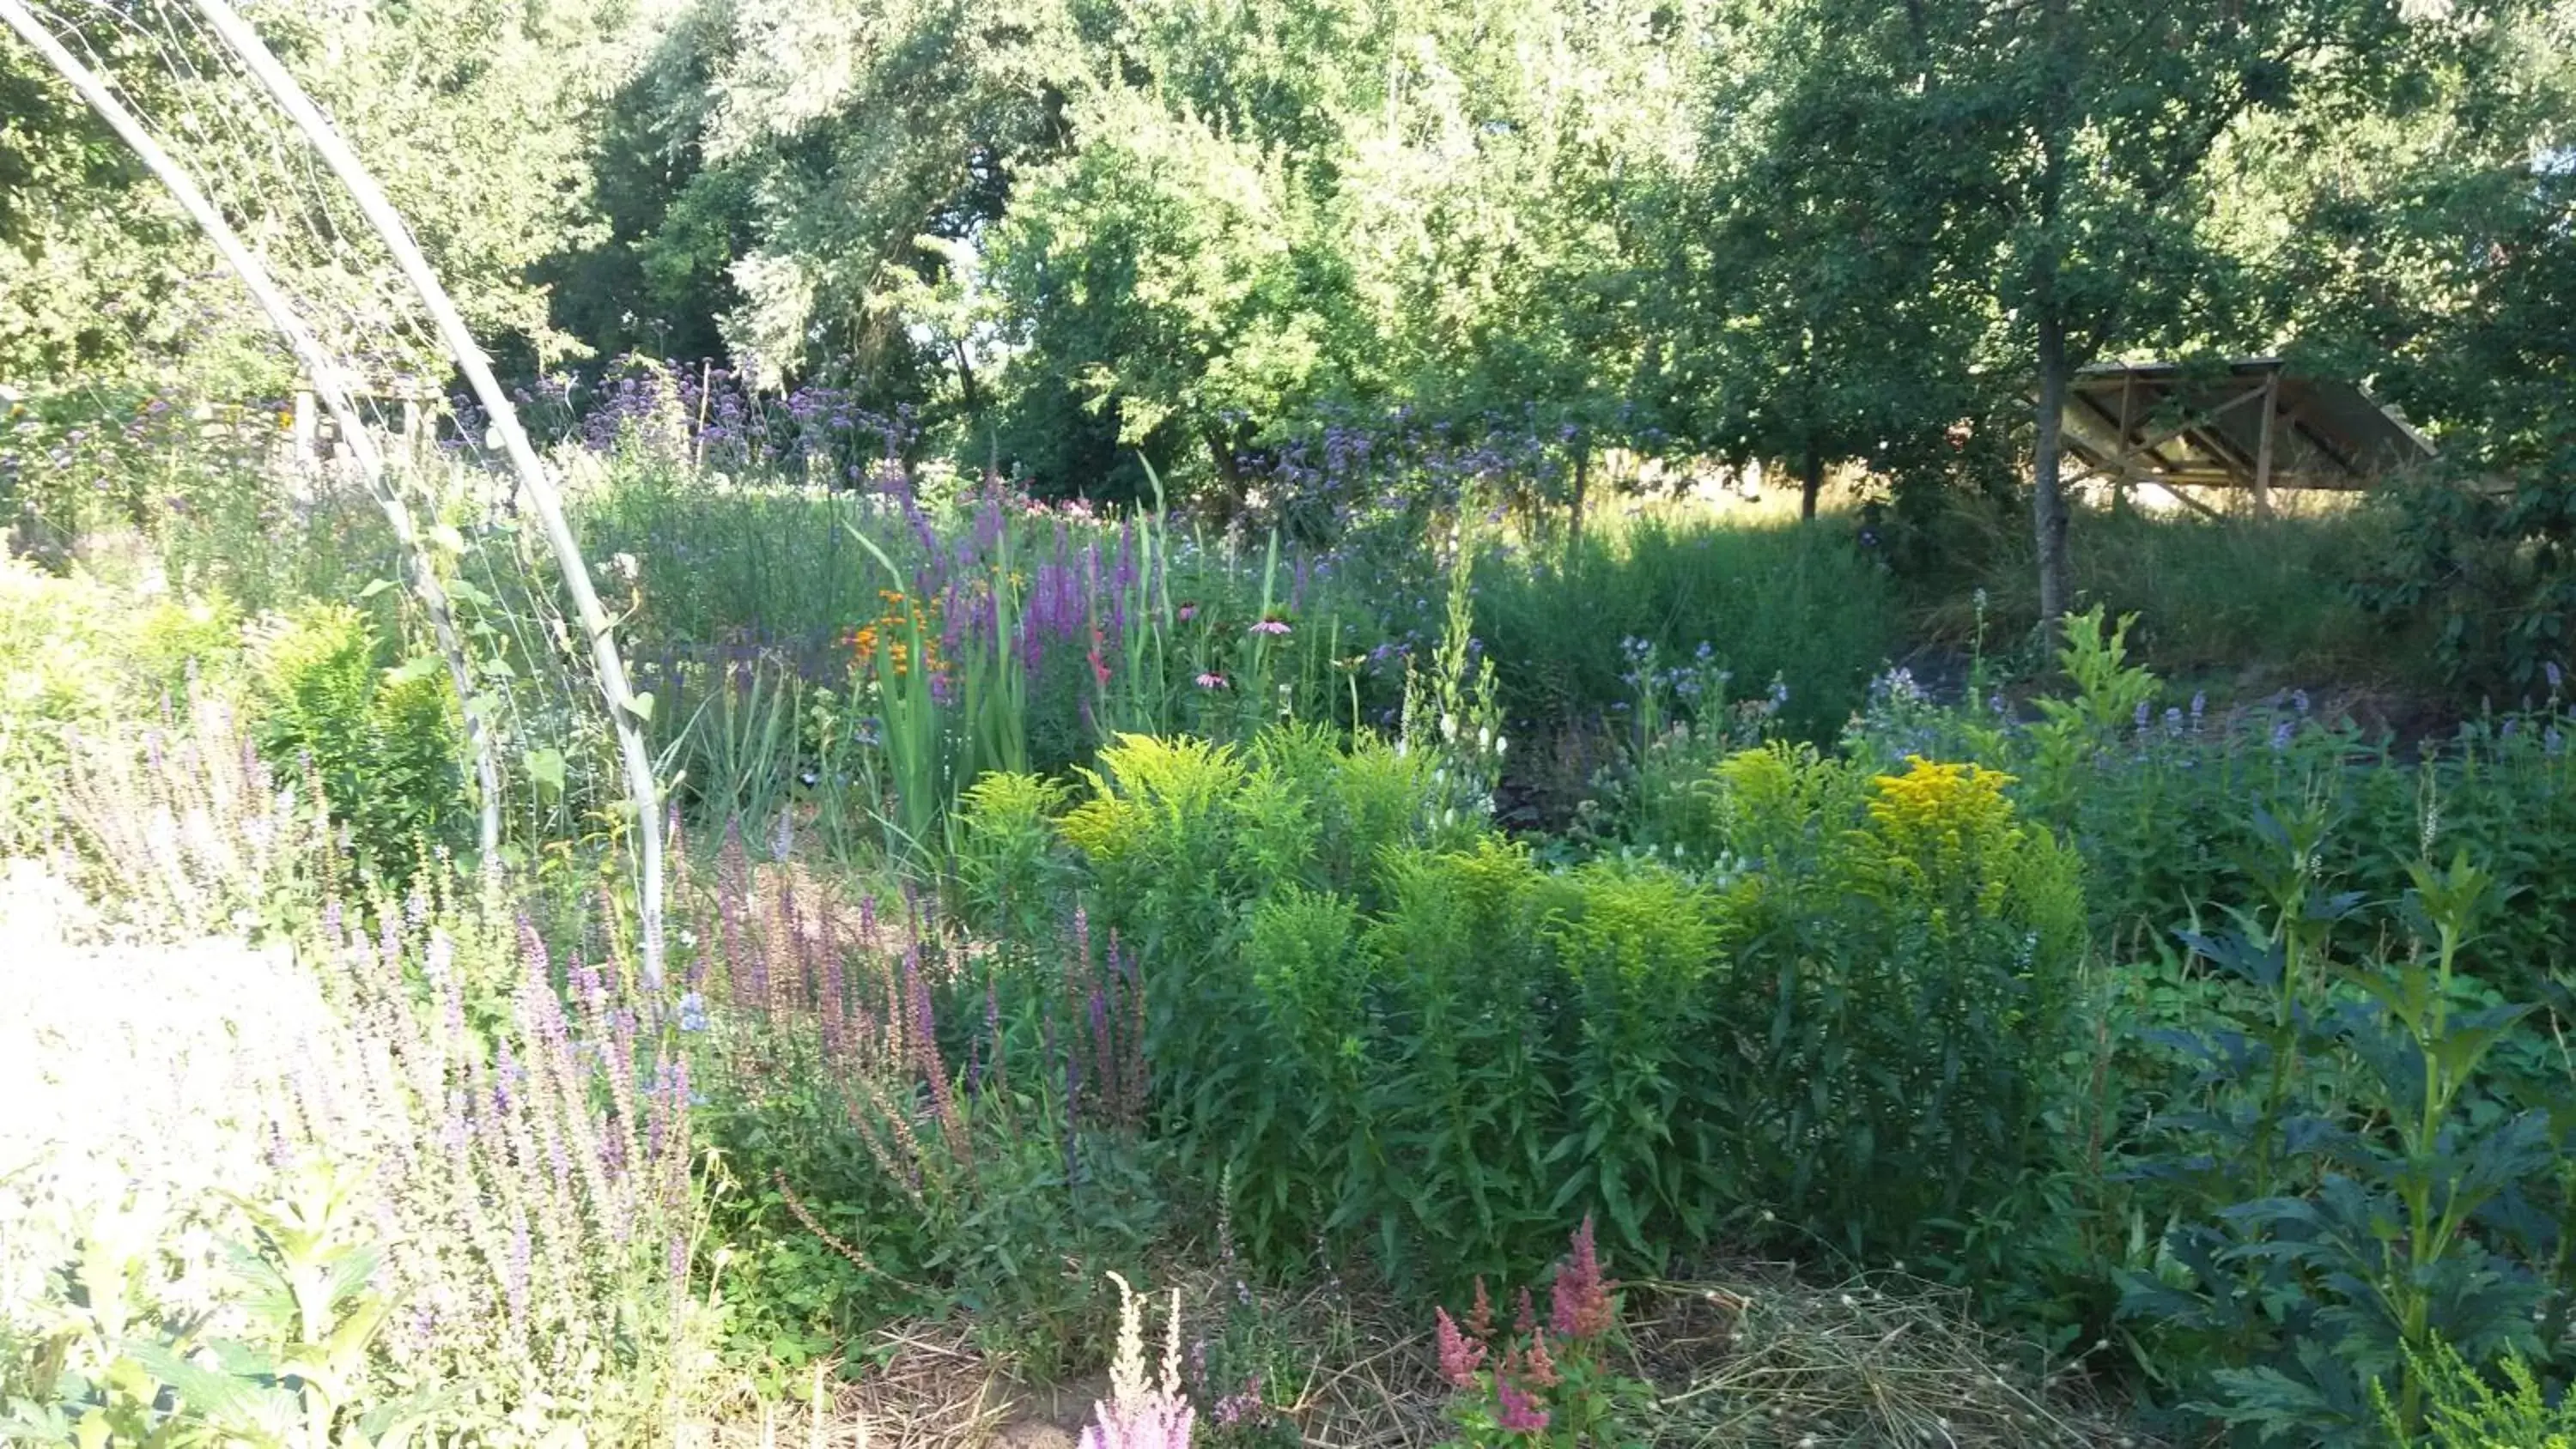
pixel 1582 481
pixel 2048 455
pixel 1229 474
pixel 2048 451
pixel 966 383
pixel 1811 481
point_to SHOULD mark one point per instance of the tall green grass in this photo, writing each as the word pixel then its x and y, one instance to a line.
pixel 2253 604
pixel 775 564
pixel 1797 603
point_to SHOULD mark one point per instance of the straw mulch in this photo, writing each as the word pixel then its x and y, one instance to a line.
pixel 1750 1358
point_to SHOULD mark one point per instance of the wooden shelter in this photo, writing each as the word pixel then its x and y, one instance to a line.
pixel 2249 423
pixel 381 399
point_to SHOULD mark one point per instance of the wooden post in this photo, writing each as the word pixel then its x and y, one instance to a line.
pixel 308 427
pixel 2263 449
pixel 2126 470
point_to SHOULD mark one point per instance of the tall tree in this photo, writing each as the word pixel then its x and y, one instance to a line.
pixel 2062 158
pixel 1817 326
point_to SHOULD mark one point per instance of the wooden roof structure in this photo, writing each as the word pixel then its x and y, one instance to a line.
pixel 2248 424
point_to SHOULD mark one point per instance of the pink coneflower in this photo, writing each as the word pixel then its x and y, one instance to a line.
pixel 1276 627
pixel 1520 1413
pixel 1186 612
pixel 1579 1305
pixel 1460 1356
pixel 1211 681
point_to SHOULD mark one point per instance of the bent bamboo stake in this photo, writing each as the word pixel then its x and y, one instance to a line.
pixel 623 715
pixel 328 382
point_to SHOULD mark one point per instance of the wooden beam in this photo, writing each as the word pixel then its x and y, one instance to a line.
pixel 2124 452
pixel 2194 424
pixel 2174 492
pixel 2263 446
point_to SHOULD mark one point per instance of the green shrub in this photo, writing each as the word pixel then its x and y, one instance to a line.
pixel 2464 1411
pixel 1911 976
pixel 1408 1035
pixel 381 743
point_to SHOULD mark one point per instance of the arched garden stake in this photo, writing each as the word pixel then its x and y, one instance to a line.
pixel 330 383
pixel 625 716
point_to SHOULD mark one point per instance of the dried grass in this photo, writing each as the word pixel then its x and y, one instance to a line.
pixel 1749 1357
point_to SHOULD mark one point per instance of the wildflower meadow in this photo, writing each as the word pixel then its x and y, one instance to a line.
pixel 1117 725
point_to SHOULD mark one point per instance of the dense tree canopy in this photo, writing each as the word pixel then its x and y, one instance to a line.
pixel 1061 234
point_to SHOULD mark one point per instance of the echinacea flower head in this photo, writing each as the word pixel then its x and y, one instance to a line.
pixel 1274 627
pixel 1211 680
pixel 1460 1356
pixel 1579 1303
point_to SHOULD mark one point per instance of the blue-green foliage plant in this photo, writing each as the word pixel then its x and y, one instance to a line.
pixel 2368 1163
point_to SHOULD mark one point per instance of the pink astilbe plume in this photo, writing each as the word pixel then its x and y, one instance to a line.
pixel 1480 1318
pixel 1579 1302
pixel 1519 1412
pixel 1460 1356
pixel 1539 1368
pixel 1140 1413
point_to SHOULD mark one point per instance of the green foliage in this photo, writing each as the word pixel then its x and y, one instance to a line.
pixel 2464 1411
pixel 1006 825
pixel 1918 966
pixel 382 744
pixel 77 657
pixel 2397 1182
pixel 1433 1047
pixel 1791 605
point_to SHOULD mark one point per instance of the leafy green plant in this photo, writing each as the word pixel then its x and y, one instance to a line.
pixel 2463 1411
pixel 380 743
pixel 284 1360
pixel 2109 693
pixel 78 659
pixel 2396 1189
pixel 1005 861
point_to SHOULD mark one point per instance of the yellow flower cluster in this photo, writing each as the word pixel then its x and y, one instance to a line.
pixel 1939 822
